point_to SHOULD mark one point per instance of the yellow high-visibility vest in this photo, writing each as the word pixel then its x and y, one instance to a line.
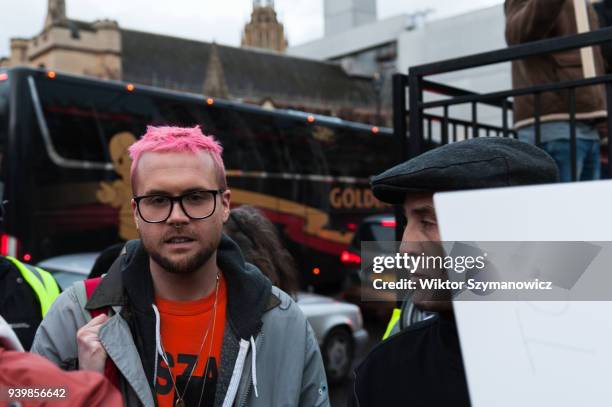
pixel 41 281
pixel 393 327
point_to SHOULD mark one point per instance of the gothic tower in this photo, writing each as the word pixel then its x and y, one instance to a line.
pixel 56 13
pixel 264 30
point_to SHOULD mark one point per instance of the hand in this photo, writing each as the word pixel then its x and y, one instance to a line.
pixel 92 355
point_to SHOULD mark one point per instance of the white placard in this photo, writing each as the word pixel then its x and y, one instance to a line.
pixel 533 353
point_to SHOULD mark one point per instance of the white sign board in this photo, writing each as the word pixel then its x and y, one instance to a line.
pixel 533 353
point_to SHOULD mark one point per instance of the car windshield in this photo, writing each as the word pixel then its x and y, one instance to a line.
pixel 379 232
pixel 65 279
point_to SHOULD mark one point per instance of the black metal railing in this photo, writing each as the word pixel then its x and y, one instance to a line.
pixel 420 125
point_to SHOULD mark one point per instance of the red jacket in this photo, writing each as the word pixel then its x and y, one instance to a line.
pixel 22 369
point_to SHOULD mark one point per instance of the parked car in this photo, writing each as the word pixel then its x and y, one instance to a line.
pixel 69 268
pixel 338 325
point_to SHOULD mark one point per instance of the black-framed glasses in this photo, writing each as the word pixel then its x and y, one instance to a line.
pixel 156 208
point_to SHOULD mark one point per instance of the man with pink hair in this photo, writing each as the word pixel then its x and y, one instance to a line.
pixel 190 323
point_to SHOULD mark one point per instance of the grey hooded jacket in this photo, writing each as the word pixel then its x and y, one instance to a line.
pixel 269 356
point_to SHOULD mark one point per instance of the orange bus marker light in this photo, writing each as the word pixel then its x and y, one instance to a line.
pixel 210 101
pixel 130 87
pixel 51 74
pixel 316 271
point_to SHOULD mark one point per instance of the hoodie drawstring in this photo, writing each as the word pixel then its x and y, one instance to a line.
pixel 253 366
pixel 158 347
pixel 232 389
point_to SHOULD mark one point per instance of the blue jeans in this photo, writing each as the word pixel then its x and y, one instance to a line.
pixel 588 166
pixel 555 141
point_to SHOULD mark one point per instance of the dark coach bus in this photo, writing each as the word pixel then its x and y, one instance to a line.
pixel 64 168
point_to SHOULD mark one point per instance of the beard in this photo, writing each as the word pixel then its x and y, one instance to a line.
pixel 186 264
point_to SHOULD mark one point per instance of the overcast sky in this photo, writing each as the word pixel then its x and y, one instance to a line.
pixel 206 20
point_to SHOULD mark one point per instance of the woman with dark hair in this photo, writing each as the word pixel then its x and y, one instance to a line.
pixel 261 246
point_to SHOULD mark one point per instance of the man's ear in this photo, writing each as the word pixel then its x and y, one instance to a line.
pixel 225 202
pixel 135 213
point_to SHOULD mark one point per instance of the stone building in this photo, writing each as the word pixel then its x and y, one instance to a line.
pixel 92 49
pixel 264 30
pixel 258 73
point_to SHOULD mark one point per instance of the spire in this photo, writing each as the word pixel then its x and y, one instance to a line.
pixel 56 13
pixel 214 81
pixel 264 30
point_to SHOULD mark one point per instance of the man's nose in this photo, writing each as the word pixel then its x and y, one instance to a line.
pixel 177 215
pixel 412 233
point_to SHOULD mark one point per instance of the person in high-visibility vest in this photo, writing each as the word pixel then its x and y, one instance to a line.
pixel 26 294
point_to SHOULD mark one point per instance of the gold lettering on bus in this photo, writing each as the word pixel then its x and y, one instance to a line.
pixel 353 198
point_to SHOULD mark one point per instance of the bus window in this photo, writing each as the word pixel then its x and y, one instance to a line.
pixel 82 119
pixel 250 142
pixel 339 151
pixel 306 153
pixel 353 153
pixel 171 112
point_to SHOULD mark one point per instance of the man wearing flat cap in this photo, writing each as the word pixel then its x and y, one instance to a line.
pixel 422 365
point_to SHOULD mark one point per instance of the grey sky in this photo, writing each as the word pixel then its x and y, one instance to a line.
pixel 221 20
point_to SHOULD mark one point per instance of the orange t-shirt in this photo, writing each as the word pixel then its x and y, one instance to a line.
pixel 183 326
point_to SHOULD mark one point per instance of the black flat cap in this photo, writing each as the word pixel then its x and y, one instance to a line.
pixel 469 164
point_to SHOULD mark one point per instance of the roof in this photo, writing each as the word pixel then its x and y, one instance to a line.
pixel 181 64
pixel 354 40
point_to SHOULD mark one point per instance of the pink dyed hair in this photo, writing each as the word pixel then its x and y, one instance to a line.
pixel 177 140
